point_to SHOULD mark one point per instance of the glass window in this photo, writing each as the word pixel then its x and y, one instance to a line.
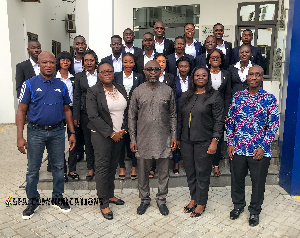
pixel 174 18
pixel 267 12
pixel 247 13
pixel 253 32
pixel 264 42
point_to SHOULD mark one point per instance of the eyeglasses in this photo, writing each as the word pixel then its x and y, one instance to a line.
pixel 150 69
pixel 215 57
pixel 159 28
pixel 106 72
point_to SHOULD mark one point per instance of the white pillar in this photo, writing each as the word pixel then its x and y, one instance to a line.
pixel 7 97
pixel 94 20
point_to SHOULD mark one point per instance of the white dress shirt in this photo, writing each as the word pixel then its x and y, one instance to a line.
pixel 35 66
pixel 159 47
pixel 117 63
pixel 68 83
pixel 243 75
pixel 184 85
pixel 92 78
pixel 130 50
pixel 128 82
pixel 146 59
pixel 77 66
pixel 190 49
pixel 162 77
pixel 222 47
pixel 216 80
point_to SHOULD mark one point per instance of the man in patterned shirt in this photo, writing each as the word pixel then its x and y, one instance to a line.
pixel 252 123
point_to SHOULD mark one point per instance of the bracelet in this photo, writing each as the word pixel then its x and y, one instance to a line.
pixel 72 132
pixel 113 135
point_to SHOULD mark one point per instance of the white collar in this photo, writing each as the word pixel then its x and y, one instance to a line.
pixel 77 61
pixel 161 42
pixel 94 74
pixel 238 65
pixel 114 58
pixel 58 75
pixel 32 62
pixel 130 76
pixel 153 53
pixel 128 48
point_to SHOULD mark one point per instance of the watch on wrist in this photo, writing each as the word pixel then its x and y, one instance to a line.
pixel 72 132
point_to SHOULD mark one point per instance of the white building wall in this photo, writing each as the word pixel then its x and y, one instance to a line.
pixel 47 20
pixel 7 109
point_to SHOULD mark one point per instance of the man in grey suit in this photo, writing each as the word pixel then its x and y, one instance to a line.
pixel 152 129
pixel 28 68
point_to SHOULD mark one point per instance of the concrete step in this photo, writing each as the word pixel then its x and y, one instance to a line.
pixel 179 180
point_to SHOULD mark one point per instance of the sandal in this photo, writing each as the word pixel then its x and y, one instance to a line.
pixel 151 173
pixel 217 172
pixel 74 176
pixel 196 214
pixel 133 176
pixel 122 174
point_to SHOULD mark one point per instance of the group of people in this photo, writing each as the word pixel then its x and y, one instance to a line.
pixel 167 100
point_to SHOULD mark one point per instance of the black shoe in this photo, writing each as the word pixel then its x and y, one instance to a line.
pixel 29 211
pixel 163 209
pixel 254 219
pixel 74 176
pixel 142 208
pixel 235 213
pixel 118 202
pixel 108 216
pixel 49 169
pixel 187 209
pixel 66 178
pixel 63 206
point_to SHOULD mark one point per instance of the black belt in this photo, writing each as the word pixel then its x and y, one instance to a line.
pixel 48 128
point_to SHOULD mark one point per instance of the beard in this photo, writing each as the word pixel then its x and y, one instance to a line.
pixel 150 80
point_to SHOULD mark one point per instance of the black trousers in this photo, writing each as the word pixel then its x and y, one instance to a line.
pixel 107 153
pixel 130 154
pixel 197 164
pixel 218 154
pixel 72 161
pixel 89 151
pixel 258 173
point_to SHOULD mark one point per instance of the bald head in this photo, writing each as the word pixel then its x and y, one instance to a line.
pixel 152 71
pixel 255 77
pixel 46 61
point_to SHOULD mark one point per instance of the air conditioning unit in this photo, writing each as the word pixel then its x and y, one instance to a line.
pixel 70 23
pixel 30 0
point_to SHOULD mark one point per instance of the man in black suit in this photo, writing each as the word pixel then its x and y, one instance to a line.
pixel 162 45
pixel 223 45
pixel 128 38
pixel 28 68
pixel 115 58
pixel 246 38
pixel 79 46
pixel 148 53
pixel 179 46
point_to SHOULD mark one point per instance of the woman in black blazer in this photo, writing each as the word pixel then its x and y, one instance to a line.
pixel 238 71
pixel 83 81
pixel 107 105
pixel 220 81
pixel 130 80
pixel 200 125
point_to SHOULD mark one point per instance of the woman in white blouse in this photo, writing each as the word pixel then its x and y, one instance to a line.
pixel 193 47
pixel 220 80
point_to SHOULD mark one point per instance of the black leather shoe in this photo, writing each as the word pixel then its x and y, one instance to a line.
pixel 118 202
pixel 254 219
pixel 163 209
pixel 142 208
pixel 235 213
pixel 108 216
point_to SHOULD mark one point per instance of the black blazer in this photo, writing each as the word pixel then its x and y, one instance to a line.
pixel 169 80
pixel 201 60
pixel 207 118
pixel 228 46
pixel 137 80
pixel 98 112
pixel 24 71
pixel 225 90
pixel 178 90
pixel 168 47
pixel 79 94
pixel 171 67
pixel 256 55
